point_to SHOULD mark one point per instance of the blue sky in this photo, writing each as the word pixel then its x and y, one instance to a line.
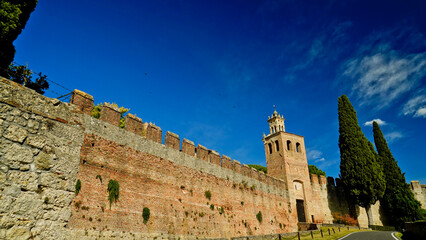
pixel 210 71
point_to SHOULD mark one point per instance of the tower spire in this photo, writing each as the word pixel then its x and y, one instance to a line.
pixel 276 122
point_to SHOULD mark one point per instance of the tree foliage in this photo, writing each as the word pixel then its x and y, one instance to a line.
pixel 398 200
pixel 259 167
pixel 360 171
pixel 14 15
pixel 315 170
pixel 22 75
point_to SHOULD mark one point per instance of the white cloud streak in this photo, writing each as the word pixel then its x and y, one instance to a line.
pixel 383 77
pixel 378 121
pixel 393 136
pixel 416 106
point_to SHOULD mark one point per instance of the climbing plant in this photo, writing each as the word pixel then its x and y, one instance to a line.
pixel 77 187
pixel 259 216
pixel 145 214
pixel 113 190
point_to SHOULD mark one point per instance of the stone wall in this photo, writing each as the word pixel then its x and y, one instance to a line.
pixel 46 145
pixel 419 192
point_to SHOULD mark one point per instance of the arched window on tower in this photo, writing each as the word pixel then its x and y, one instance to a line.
pixel 288 145
pixel 277 145
pixel 298 147
pixel 275 128
pixel 270 148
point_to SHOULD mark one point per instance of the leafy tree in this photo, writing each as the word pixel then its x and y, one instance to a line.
pixel 259 168
pixel 398 201
pixel 22 75
pixel 14 15
pixel 360 172
pixel 315 170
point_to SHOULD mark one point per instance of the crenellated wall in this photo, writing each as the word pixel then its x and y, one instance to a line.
pixel 46 145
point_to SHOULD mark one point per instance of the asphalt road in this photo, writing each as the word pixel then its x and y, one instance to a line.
pixel 370 235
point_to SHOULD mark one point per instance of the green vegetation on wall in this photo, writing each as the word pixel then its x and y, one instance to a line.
pixel 114 191
pixel 96 111
pixel 259 168
pixel 259 216
pixel 208 195
pixel 77 187
pixel 315 170
pixel 99 177
pixel 145 214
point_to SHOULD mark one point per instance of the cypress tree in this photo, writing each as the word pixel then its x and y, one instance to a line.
pixel 398 201
pixel 360 172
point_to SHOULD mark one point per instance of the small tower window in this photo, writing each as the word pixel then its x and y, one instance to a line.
pixel 288 145
pixel 275 128
pixel 270 148
pixel 298 147
pixel 277 145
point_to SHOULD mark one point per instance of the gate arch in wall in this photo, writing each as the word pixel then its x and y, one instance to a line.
pixel 299 191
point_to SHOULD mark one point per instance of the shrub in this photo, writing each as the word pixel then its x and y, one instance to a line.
pixel 46 200
pixel 77 204
pixel 259 216
pixel 99 177
pixel 77 187
pixel 145 214
pixel 221 210
pixel 208 195
pixel 90 218
pixel 96 111
pixel 259 168
pixel 114 191
pixel 348 220
pixel 211 206
pixel 253 187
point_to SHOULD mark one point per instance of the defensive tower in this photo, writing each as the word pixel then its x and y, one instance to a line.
pixel 286 160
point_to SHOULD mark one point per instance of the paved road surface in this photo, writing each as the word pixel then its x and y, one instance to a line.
pixel 373 235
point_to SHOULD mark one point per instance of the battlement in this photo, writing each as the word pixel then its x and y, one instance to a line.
pixel 111 114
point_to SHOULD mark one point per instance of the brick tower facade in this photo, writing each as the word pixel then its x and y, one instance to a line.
pixel 286 160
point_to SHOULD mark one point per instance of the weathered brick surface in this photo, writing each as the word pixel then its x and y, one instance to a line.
pixel 174 194
pixel 236 166
pixel 110 114
pixel 202 153
pixel 83 101
pixel 214 157
pixel 133 124
pixel 172 140
pixel 188 147
pixel 226 162
pixel 154 133
pixel 246 170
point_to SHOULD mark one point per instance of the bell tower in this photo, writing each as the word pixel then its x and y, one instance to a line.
pixel 286 160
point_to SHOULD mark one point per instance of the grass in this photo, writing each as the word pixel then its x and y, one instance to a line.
pixel 398 235
pixel 317 235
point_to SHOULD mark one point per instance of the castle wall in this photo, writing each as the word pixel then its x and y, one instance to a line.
pixel 46 145
pixel 419 192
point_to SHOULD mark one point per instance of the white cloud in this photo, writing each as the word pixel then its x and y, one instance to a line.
pixel 421 112
pixel 313 154
pixel 392 136
pixel 384 76
pixel 416 106
pixel 378 121
pixel 319 160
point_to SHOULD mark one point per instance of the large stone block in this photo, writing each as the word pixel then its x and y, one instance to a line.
pixel 15 133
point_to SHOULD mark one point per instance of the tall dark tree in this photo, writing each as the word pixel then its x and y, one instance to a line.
pixel 398 201
pixel 22 75
pixel 14 15
pixel 360 172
